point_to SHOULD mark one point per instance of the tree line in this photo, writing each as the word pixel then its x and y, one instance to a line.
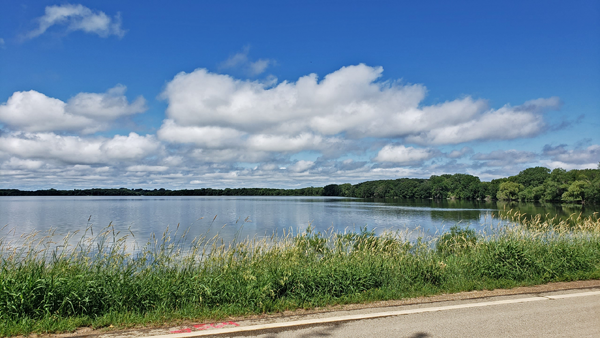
pixel 532 184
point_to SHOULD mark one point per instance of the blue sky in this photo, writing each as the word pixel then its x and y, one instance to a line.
pixel 292 94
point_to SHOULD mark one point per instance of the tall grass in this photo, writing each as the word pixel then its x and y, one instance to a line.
pixel 101 280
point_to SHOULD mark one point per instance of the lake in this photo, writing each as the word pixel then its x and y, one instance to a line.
pixel 244 216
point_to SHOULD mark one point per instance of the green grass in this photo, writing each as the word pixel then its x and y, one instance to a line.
pixel 97 282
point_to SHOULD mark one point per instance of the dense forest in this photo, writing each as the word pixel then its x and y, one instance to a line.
pixel 532 184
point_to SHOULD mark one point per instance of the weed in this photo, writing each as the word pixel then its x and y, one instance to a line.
pixel 457 241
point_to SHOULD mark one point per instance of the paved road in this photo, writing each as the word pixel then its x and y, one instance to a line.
pixel 552 310
pixel 568 317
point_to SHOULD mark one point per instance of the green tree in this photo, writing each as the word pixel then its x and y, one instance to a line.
pixel 346 189
pixel 380 190
pixel 332 190
pixel 463 186
pixel 533 177
pixel 509 191
pixel 576 192
pixel 592 192
pixel 439 186
pixel 554 190
pixel 532 193
pixel 560 175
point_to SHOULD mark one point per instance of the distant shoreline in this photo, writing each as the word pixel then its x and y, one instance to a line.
pixel 532 184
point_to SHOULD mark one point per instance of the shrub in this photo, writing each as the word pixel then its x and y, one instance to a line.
pixel 458 240
pixel 506 258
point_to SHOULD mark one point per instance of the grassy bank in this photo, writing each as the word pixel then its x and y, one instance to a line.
pixel 98 282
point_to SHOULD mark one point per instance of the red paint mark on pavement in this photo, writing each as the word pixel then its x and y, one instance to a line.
pixel 186 330
pixel 201 327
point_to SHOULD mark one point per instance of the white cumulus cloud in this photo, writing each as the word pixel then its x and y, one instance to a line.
pixel 33 111
pixel 105 106
pixel 405 155
pixel 281 143
pixel 301 166
pixel 209 136
pixel 18 163
pixel 224 131
pixel 148 168
pixel 351 103
pixel 506 123
pixel 78 150
pixel 78 18
pixel 588 157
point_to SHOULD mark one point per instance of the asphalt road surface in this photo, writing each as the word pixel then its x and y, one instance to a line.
pixel 566 309
pixel 567 317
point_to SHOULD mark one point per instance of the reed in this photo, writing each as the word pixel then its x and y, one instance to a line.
pixel 107 279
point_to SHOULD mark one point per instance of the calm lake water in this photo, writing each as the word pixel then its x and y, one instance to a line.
pixel 249 216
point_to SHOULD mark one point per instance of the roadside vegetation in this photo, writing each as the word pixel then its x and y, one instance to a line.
pixel 532 184
pixel 100 281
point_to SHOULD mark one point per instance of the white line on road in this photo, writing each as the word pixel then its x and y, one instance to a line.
pixel 318 321
pixel 569 295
